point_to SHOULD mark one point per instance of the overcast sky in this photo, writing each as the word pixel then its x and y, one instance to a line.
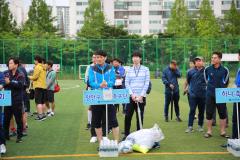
pixel 58 2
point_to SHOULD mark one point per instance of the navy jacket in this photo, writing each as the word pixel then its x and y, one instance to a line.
pixel 26 79
pixel 197 83
pixel 170 76
pixel 216 78
pixel 2 81
pixel 237 81
pixel 16 86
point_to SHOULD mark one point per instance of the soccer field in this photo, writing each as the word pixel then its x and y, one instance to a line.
pixel 64 136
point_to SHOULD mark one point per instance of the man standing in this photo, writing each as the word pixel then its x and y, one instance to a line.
pixel 39 84
pixel 197 93
pixel 26 100
pixel 234 117
pixel 170 80
pixel 102 76
pixel 216 76
pixel 89 112
pixel 86 80
pixel 14 81
pixel 2 136
pixel 120 77
pixel 137 82
pixel 50 80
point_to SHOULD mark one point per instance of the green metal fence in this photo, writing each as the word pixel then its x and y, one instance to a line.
pixel 157 53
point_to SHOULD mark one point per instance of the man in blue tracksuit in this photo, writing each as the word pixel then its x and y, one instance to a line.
pixel 197 93
pixel 102 76
pixel 216 76
pixel 234 117
pixel 170 80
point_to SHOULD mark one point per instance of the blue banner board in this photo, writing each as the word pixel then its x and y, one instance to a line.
pixel 5 98
pixel 227 95
pixel 99 97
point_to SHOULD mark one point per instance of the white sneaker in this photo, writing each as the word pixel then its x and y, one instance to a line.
pixel 189 129
pixel 3 149
pixel 93 140
pixel 49 114
pixel 200 129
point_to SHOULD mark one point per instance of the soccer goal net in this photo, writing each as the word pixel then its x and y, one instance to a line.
pixel 81 71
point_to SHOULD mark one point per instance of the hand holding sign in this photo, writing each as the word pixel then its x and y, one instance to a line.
pixel 103 84
pixel 7 80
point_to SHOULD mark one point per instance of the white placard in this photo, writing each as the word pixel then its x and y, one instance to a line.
pixel 107 94
pixel 118 82
pixel 29 67
pixel 3 67
pixel 230 57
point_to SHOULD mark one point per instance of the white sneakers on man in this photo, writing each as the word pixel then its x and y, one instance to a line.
pixel 93 140
pixel 3 149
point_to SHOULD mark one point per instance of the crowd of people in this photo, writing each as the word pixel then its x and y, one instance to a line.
pixel 199 87
pixel 22 85
pixel 103 74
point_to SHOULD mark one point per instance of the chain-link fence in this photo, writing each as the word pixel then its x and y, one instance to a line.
pixel 157 53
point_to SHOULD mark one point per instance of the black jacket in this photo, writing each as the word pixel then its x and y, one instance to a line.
pixel 170 76
pixel 16 86
pixel 197 83
pixel 26 79
pixel 216 78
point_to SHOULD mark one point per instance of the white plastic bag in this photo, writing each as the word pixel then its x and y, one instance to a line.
pixel 233 147
pixel 142 140
pixel 125 146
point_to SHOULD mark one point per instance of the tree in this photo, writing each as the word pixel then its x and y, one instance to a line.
pixel 232 21
pixel 179 23
pixel 39 18
pixel 207 25
pixel 110 31
pixel 7 23
pixel 94 20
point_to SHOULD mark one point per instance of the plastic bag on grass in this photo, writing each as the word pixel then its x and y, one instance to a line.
pixel 233 146
pixel 142 140
pixel 125 146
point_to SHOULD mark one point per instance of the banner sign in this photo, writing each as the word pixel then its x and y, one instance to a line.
pixel 227 95
pixel 230 57
pixel 29 67
pixel 100 97
pixel 5 98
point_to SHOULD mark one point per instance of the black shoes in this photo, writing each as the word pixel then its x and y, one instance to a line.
pixel 19 140
pixel 7 138
pixel 178 119
pixel 124 138
pixel 156 145
pixel 166 119
pixel 41 118
pixel 88 126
